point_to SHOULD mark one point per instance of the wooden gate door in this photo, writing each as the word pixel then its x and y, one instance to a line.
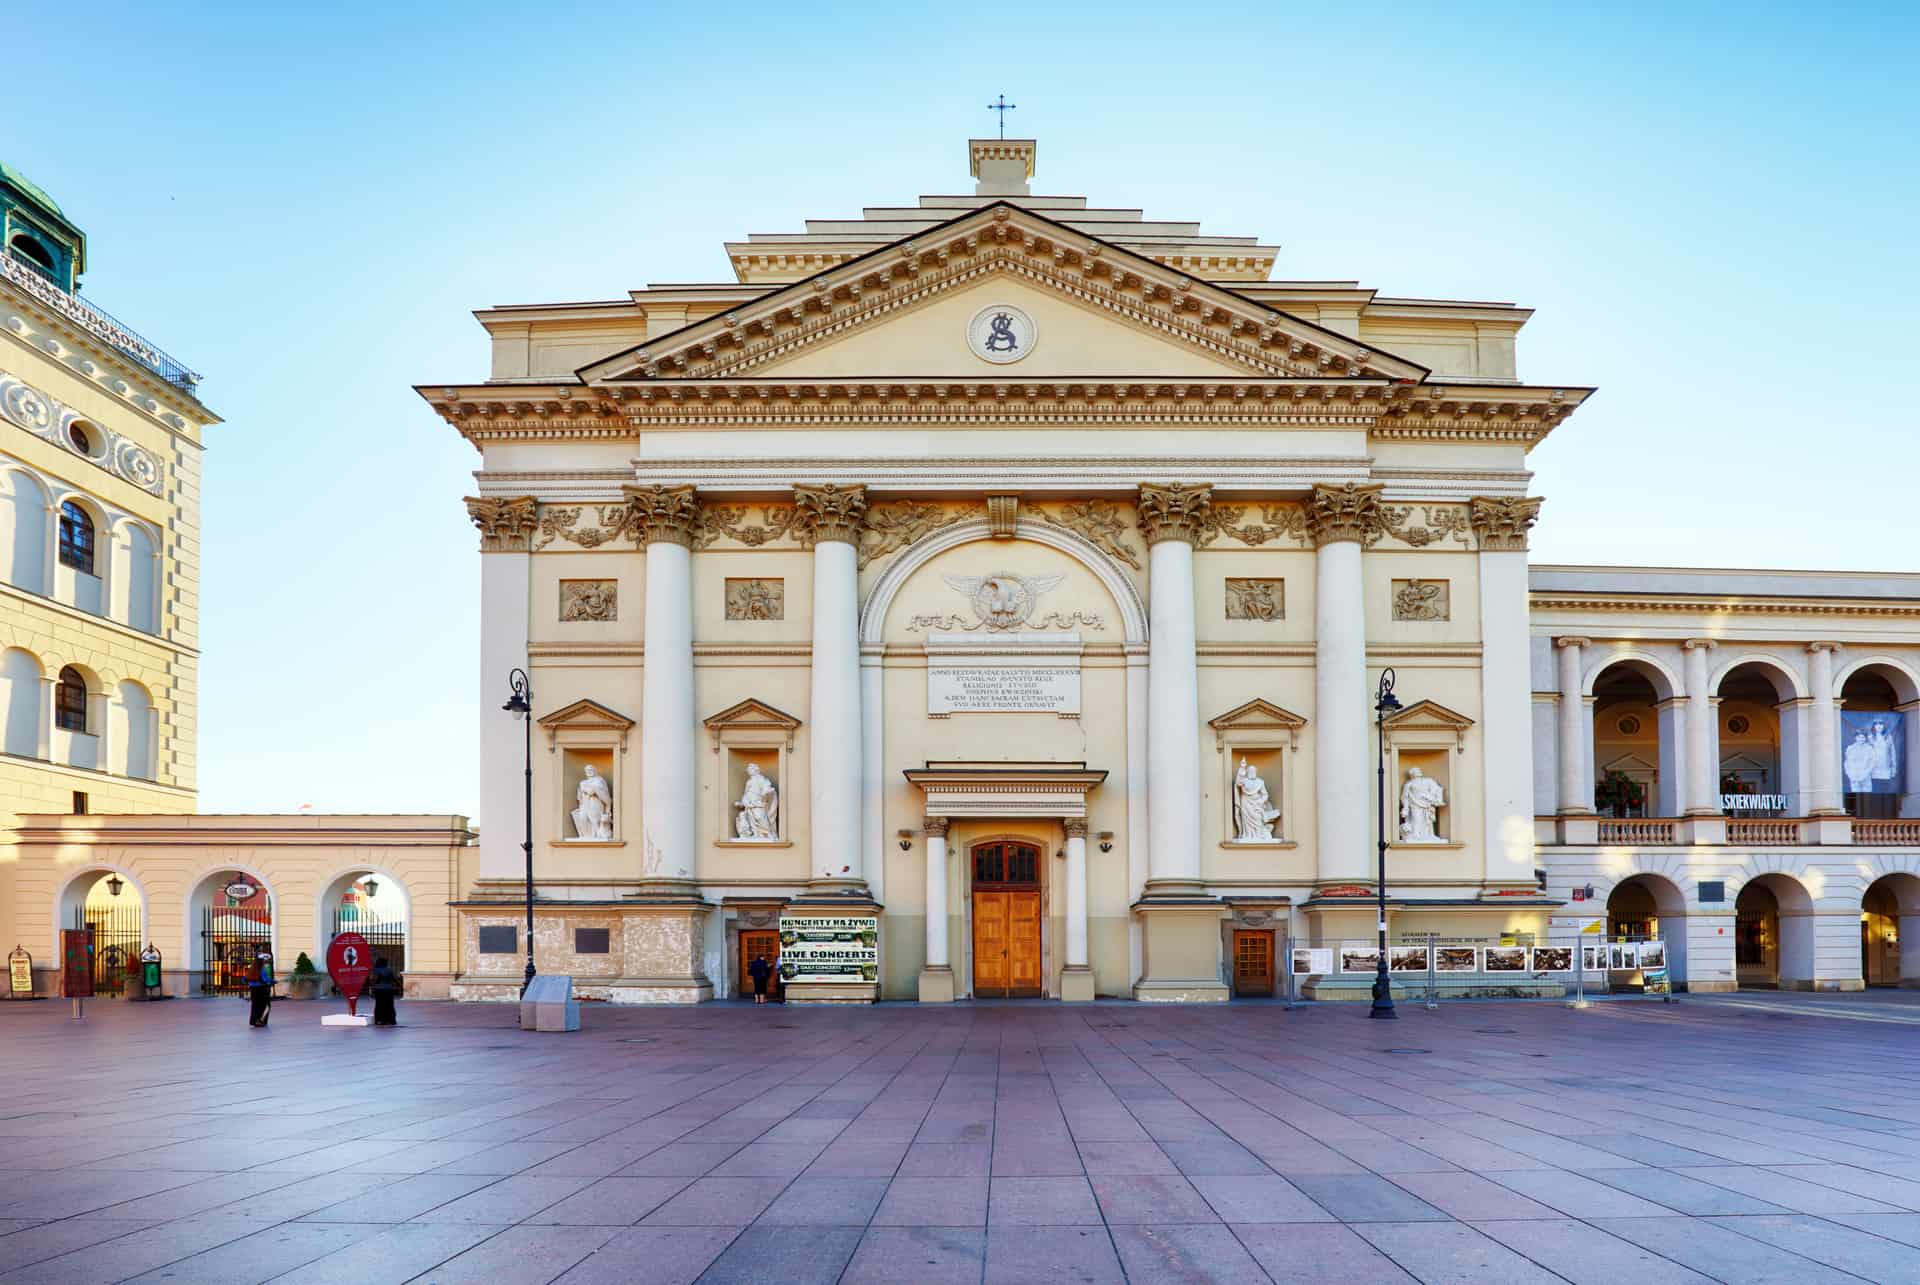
pixel 1007 906
pixel 990 944
pixel 756 942
pixel 1252 963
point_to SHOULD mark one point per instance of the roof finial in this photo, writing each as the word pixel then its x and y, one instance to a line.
pixel 1003 107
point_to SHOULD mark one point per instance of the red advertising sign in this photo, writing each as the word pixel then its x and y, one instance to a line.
pixel 348 962
pixel 76 963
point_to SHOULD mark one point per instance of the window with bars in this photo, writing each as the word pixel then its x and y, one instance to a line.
pixel 76 538
pixel 70 701
pixel 1006 864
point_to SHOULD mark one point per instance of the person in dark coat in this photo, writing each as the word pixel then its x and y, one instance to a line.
pixel 385 986
pixel 762 973
pixel 260 987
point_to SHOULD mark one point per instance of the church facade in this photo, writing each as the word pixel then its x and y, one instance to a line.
pixel 995 596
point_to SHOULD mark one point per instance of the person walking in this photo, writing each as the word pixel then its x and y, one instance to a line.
pixel 762 973
pixel 386 988
pixel 260 987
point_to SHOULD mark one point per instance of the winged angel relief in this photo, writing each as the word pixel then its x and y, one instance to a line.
pixel 1003 601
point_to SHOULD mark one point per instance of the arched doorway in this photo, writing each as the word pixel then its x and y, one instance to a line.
pixel 230 920
pixel 1008 960
pixel 1890 931
pixel 1635 740
pixel 1773 933
pixel 371 903
pixel 111 904
pixel 1646 907
pixel 1759 739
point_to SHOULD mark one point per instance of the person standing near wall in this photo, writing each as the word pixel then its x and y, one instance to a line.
pixel 260 987
pixel 386 988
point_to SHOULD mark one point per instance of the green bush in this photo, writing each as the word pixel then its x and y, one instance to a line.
pixel 303 967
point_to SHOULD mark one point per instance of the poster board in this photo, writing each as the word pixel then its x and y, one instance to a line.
pixel 829 948
pixel 1309 960
pixel 76 963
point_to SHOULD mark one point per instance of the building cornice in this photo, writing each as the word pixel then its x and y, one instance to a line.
pixel 1725 606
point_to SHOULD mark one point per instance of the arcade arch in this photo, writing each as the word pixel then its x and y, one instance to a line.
pixel 369 901
pixel 113 903
pixel 1759 727
pixel 229 918
pixel 1773 933
pixel 1651 905
pixel 1635 739
pixel 1879 734
pixel 1890 931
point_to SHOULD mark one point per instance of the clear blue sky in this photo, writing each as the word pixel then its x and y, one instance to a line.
pixel 1711 206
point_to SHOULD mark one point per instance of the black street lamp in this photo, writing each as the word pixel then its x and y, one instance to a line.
pixel 1383 705
pixel 520 706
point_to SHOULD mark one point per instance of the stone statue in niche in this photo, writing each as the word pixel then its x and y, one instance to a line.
pixel 759 807
pixel 593 818
pixel 1420 802
pixel 1253 810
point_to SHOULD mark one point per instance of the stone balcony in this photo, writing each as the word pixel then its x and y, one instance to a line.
pixel 1744 832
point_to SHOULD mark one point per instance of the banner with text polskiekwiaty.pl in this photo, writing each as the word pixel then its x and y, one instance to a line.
pixel 829 948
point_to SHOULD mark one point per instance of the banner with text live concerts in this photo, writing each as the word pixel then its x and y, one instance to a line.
pixel 829 948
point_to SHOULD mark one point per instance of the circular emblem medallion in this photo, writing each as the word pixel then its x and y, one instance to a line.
pixel 239 890
pixel 1001 334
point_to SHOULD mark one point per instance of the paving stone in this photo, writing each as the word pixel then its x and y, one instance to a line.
pixel 1185 1253
pixel 1453 1254
pixel 400 1199
pixel 1125 1157
pixel 265 1253
pixel 933 1202
pixel 1047 1255
pixel 717 1202
pixel 835 1202
pixel 1587 1255
pixel 1150 1198
pixel 789 1255
pixel 1364 1198
pixel 1041 1202
pixel 1578 1195
pixel 1679 1192
pixel 1788 1192
pixel 1847 1248
pixel 611 1202
pixel 926 1255
pixel 1720 1253
pixel 391 1256
pixel 522 1256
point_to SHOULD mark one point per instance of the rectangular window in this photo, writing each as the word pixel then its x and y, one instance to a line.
pixel 79 803
pixel 500 940
pixel 592 941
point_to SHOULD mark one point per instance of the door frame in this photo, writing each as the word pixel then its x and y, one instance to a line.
pixel 776 991
pixel 1049 836
pixel 1235 932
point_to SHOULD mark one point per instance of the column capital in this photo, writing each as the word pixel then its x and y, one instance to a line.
pixel 1174 511
pixel 1076 827
pixel 935 827
pixel 1817 647
pixel 506 522
pixel 1345 512
pixel 1501 521
pixel 668 514
pixel 1701 645
pixel 830 512
pixel 1573 640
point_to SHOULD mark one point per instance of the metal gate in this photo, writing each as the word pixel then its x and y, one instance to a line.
pixel 116 943
pixel 388 941
pixel 232 938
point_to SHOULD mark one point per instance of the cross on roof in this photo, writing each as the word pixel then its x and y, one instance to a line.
pixel 1003 107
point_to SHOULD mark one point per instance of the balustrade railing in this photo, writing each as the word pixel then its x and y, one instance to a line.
pixel 1761 831
pixel 1895 830
pixel 96 322
pixel 1638 830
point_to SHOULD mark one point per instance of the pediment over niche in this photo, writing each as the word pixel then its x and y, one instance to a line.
pixel 1089 288
pixel 586 716
pixel 752 716
pixel 1430 716
pixel 1257 716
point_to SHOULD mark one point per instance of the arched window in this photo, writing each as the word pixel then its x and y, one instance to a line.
pixel 70 701
pixel 31 251
pixel 76 537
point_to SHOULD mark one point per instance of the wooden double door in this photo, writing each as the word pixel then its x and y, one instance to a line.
pixel 1252 962
pixel 758 943
pixel 1007 909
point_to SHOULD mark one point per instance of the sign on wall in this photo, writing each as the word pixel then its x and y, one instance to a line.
pixel 19 973
pixel 829 948
pixel 1002 689
pixel 1873 747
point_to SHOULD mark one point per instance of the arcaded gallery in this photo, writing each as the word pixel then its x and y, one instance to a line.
pixel 991 596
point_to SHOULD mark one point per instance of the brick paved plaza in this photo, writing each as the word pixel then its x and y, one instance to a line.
pixel 1770 1138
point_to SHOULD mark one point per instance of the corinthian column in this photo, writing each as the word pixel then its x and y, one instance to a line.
pixel 666 517
pixel 1703 768
pixel 507 524
pixel 1172 517
pixel 1341 519
pixel 1500 526
pixel 831 516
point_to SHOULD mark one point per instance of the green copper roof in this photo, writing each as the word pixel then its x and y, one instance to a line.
pixel 31 189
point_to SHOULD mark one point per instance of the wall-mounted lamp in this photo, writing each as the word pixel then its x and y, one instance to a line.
pixel 114 884
pixel 906 840
pixel 1106 841
pixel 371 884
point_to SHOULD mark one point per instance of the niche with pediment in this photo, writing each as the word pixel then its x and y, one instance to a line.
pixel 754 742
pixel 589 742
pixel 1428 738
pixel 1257 743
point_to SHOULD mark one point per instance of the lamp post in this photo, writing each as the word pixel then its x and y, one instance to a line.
pixel 520 706
pixel 1383 704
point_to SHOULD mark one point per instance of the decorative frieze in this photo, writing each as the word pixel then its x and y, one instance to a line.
pixel 777 521
pixel 589 600
pixel 759 598
pixel 831 512
pixel 612 522
pixel 506 523
pixel 23 404
pixel 889 528
pixel 669 514
pixel 1437 522
pixel 1174 511
pixel 1100 521
pixel 1502 522
pixel 1345 512
pixel 1422 600
pixel 1277 522
pixel 1249 599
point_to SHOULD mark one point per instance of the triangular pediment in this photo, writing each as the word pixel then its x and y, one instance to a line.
pixel 1256 716
pixel 1429 716
pixel 903 312
pixel 586 713
pixel 752 715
